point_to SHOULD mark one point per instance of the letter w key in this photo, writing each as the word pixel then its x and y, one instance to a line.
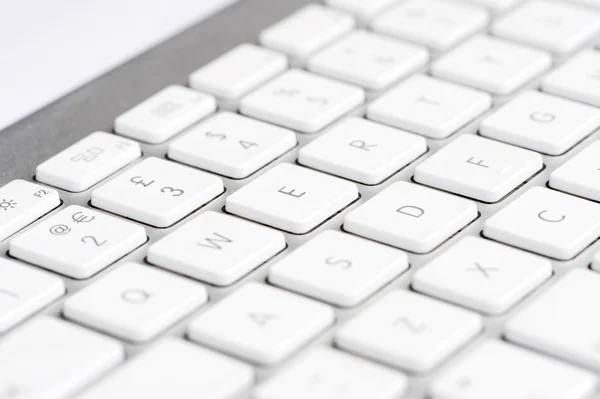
pixel 410 324
pixel 215 243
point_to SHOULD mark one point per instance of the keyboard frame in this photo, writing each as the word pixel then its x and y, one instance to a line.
pixel 94 107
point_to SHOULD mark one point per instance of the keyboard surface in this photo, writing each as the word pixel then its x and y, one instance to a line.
pixel 339 200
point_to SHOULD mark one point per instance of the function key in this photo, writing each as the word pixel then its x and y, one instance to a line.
pixel 165 114
pixel 239 71
pixel 307 30
pixel 22 203
pixel 88 161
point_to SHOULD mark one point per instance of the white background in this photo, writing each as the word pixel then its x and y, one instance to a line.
pixel 50 47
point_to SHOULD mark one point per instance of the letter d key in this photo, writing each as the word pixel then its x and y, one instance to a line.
pixel 411 210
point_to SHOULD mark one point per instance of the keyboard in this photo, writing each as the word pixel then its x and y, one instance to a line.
pixel 383 199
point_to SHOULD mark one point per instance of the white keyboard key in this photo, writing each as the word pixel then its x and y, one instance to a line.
pixel 261 323
pixel 292 198
pixel 478 168
pixel 22 203
pixel 49 358
pixel 135 302
pixel 232 145
pixel 216 248
pixel 24 291
pixel 302 101
pixel 77 242
pixel 541 122
pixel 362 151
pixel 362 9
pixel 369 60
pixel 307 30
pixel 325 373
pixel 496 6
pixel 165 114
pixel 596 262
pixel 546 222
pixel 173 368
pixel 411 217
pixel 577 79
pixel 579 175
pixel 497 370
pixel 238 71
pixel 558 27
pixel 492 64
pixel 429 106
pixel 338 268
pixel 482 275
pixel 437 24
pixel 408 330
pixel 561 321
pixel 589 3
pixel 157 192
pixel 88 161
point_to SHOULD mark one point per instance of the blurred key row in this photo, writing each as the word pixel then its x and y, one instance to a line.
pixel 264 325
